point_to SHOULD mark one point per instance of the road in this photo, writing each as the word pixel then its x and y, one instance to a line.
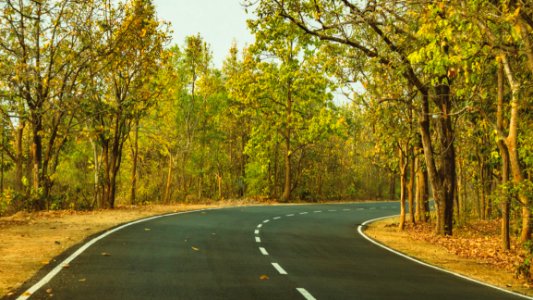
pixel 271 252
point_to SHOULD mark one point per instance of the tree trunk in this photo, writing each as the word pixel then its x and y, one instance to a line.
pixel 286 197
pixel 135 157
pixel 443 178
pixel 422 197
pixel 97 195
pixel 411 185
pixel 37 158
pixel 403 175
pixel 166 198
pixel 512 146
pixel 505 201
pixel 19 155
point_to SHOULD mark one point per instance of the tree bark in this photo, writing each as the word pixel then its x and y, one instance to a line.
pixel 286 197
pixel 135 157
pixel 504 152
pixel 441 178
pixel 168 184
pixel 411 185
pixel 512 146
pixel 403 188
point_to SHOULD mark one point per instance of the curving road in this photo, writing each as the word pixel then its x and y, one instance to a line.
pixel 272 252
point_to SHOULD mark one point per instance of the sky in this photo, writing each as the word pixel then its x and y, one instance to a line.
pixel 219 22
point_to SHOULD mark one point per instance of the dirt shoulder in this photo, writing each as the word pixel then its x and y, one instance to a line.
pixel 472 251
pixel 30 241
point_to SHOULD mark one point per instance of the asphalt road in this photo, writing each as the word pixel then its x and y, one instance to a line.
pixel 273 252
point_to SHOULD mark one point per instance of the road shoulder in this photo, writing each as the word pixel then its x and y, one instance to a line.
pixel 385 232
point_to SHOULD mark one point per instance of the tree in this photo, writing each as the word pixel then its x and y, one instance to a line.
pixel 124 82
pixel 44 61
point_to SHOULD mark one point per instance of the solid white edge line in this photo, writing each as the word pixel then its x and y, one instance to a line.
pixel 257 239
pixel 279 269
pixel 263 251
pixel 360 231
pixel 306 294
pixel 29 292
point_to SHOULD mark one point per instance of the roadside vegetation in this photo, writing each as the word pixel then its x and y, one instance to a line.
pixel 335 100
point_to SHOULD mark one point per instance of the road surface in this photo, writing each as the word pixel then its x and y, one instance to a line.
pixel 264 252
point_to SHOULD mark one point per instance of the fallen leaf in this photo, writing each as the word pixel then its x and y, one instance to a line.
pixel 264 277
pixel 147 229
pixel 26 294
pixel 57 242
pixel 195 249
pixel 105 254
pixel 82 279
pixel 45 262
pixel 49 291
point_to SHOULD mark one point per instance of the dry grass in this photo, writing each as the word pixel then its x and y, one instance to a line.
pixel 30 241
pixel 473 251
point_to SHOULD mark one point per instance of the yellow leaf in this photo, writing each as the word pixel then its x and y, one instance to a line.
pixel 195 249
pixel 264 277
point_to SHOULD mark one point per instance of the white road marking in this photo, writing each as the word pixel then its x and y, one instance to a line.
pixel 290 215
pixel 360 208
pixel 257 239
pixel 256 231
pixel 260 225
pixel 279 269
pixel 29 292
pixel 317 211
pixel 346 209
pixel 304 213
pixel 306 294
pixel 263 251
pixel 276 218
pixel 266 221
pixel 332 210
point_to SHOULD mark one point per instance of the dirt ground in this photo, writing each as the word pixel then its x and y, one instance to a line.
pixel 473 251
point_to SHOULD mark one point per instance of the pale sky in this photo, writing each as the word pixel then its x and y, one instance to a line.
pixel 219 22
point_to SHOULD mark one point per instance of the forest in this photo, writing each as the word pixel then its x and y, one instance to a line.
pixel 336 100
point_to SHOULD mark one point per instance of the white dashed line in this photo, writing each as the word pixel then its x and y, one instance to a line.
pixel 260 225
pixel 266 221
pixel 279 269
pixel 257 239
pixel 256 231
pixel 276 218
pixel 317 211
pixel 360 208
pixel 290 215
pixel 304 213
pixel 346 209
pixel 332 210
pixel 263 251
pixel 306 294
